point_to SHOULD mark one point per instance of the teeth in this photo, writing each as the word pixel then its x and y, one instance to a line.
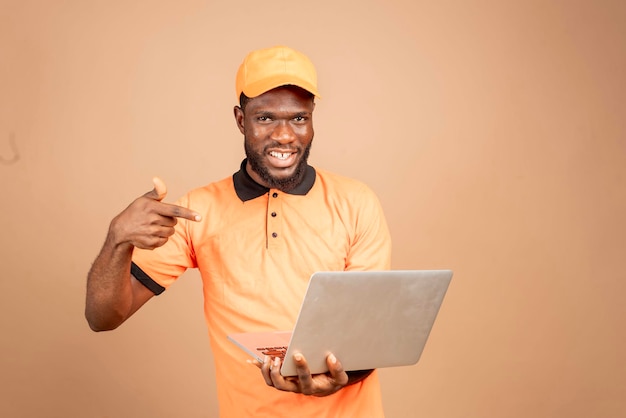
pixel 280 155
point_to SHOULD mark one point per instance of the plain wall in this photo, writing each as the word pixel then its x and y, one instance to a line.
pixel 493 132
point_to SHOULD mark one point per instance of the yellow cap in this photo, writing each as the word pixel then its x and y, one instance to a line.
pixel 266 69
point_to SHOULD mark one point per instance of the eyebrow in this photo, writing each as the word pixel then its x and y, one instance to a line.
pixel 274 115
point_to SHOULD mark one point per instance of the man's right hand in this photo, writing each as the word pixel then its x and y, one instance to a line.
pixel 148 222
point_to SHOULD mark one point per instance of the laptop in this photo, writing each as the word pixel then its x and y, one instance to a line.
pixel 367 319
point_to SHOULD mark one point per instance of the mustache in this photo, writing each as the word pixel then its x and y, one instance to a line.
pixel 281 147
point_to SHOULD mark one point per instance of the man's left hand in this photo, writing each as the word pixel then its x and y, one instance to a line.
pixel 323 384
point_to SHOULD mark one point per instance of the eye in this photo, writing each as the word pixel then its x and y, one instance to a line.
pixel 300 118
pixel 263 119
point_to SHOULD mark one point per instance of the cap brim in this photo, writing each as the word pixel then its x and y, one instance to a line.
pixel 262 86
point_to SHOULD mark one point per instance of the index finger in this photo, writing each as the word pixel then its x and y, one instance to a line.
pixel 175 211
pixel 302 368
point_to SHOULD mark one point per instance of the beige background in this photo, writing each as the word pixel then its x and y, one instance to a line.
pixel 493 132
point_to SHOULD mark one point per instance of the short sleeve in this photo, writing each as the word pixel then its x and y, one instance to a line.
pixel 165 264
pixel 370 248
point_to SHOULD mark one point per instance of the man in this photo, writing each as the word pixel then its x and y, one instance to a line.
pixel 256 238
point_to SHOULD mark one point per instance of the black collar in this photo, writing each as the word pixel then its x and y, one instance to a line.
pixel 248 189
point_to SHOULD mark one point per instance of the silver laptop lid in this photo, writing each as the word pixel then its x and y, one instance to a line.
pixel 367 319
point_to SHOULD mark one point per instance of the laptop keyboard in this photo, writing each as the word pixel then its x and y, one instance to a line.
pixel 273 351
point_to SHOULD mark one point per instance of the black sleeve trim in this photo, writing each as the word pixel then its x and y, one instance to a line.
pixel 145 280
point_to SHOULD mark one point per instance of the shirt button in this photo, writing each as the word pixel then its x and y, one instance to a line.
pixel 274 234
pixel 273 214
pixel 275 194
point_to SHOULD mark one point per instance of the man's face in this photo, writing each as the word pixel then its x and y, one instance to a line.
pixel 278 132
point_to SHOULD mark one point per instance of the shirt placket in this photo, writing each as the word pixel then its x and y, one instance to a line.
pixel 274 219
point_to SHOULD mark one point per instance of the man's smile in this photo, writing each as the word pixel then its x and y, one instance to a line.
pixel 282 159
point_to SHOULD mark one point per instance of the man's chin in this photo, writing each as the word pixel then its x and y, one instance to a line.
pixel 282 174
pixel 284 180
pixel 281 178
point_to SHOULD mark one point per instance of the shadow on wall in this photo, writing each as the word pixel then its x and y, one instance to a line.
pixel 13 153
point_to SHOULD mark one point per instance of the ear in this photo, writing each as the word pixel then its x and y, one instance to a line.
pixel 239 117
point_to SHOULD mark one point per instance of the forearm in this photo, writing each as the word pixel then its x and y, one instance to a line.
pixel 109 289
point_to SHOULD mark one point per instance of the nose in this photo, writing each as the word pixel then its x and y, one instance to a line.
pixel 283 133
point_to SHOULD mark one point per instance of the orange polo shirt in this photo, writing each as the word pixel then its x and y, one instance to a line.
pixel 256 249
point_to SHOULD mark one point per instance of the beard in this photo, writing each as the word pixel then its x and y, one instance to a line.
pixel 284 184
